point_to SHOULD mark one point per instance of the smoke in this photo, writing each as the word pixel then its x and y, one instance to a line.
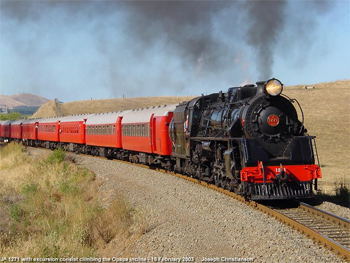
pixel 168 44
pixel 185 28
pixel 266 24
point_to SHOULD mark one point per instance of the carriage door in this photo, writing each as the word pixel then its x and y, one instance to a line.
pixel 152 133
pixel 118 132
pixel 36 131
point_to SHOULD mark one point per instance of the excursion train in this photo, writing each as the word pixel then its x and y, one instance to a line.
pixel 248 140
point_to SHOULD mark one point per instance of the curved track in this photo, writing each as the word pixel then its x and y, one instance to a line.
pixel 329 230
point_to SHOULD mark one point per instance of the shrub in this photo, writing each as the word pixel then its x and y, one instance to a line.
pixel 342 193
pixel 57 156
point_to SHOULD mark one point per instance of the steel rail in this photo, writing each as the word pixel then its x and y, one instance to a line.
pixel 327 242
pixel 334 218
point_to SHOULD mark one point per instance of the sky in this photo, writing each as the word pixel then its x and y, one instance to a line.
pixel 82 50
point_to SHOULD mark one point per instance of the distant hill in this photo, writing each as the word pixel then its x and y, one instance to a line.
pixel 9 102
pixel 29 99
pixel 24 103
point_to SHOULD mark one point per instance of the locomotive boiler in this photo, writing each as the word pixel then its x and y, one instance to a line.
pixel 248 140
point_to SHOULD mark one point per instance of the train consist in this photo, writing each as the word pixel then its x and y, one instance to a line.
pixel 248 140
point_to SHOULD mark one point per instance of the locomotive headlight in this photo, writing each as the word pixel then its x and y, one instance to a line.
pixel 274 87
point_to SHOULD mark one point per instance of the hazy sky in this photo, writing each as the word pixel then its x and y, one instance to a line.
pixel 77 50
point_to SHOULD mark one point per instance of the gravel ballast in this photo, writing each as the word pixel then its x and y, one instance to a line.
pixel 189 220
pixel 186 220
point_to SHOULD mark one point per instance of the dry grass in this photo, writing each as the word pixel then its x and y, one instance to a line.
pixel 49 208
pixel 327 116
pixel 108 105
pixel 46 110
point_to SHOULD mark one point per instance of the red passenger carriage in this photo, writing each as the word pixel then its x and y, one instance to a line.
pixel 6 130
pixel 104 130
pixel 0 131
pixel 16 130
pixel 72 129
pixel 147 130
pixel 48 130
pixel 30 131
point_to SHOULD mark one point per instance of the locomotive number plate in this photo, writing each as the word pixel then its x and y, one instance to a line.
pixel 273 120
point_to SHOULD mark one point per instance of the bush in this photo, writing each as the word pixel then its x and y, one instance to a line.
pixel 57 156
pixel 10 116
pixel 342 193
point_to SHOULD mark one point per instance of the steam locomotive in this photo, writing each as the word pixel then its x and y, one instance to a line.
pixel 248 140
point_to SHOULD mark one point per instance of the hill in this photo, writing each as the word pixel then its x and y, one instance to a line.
pixel 25 103
pixel 29 99
pixel 9 102
pixel 327 116
pixel 54 108
pixel 326 110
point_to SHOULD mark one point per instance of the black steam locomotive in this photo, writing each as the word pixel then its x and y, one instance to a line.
pixel 248 140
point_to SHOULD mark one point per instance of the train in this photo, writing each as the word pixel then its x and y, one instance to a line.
pixel 248 140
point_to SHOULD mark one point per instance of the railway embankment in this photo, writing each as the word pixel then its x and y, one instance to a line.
pixel 171 217
pixel 49 207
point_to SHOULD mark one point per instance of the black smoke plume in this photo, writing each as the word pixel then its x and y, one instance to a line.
pixel 190 31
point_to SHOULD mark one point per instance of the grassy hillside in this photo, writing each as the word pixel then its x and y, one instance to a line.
pixel 327 116
pixel 51 109
pixel 49 207
pixel 9 102
pixel 326 109
pixel 29 99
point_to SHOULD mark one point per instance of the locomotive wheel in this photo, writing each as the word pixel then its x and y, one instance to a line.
pixel 217 181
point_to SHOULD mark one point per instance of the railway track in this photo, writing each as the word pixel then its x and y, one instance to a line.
pixel 323 227
pixel 329 230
